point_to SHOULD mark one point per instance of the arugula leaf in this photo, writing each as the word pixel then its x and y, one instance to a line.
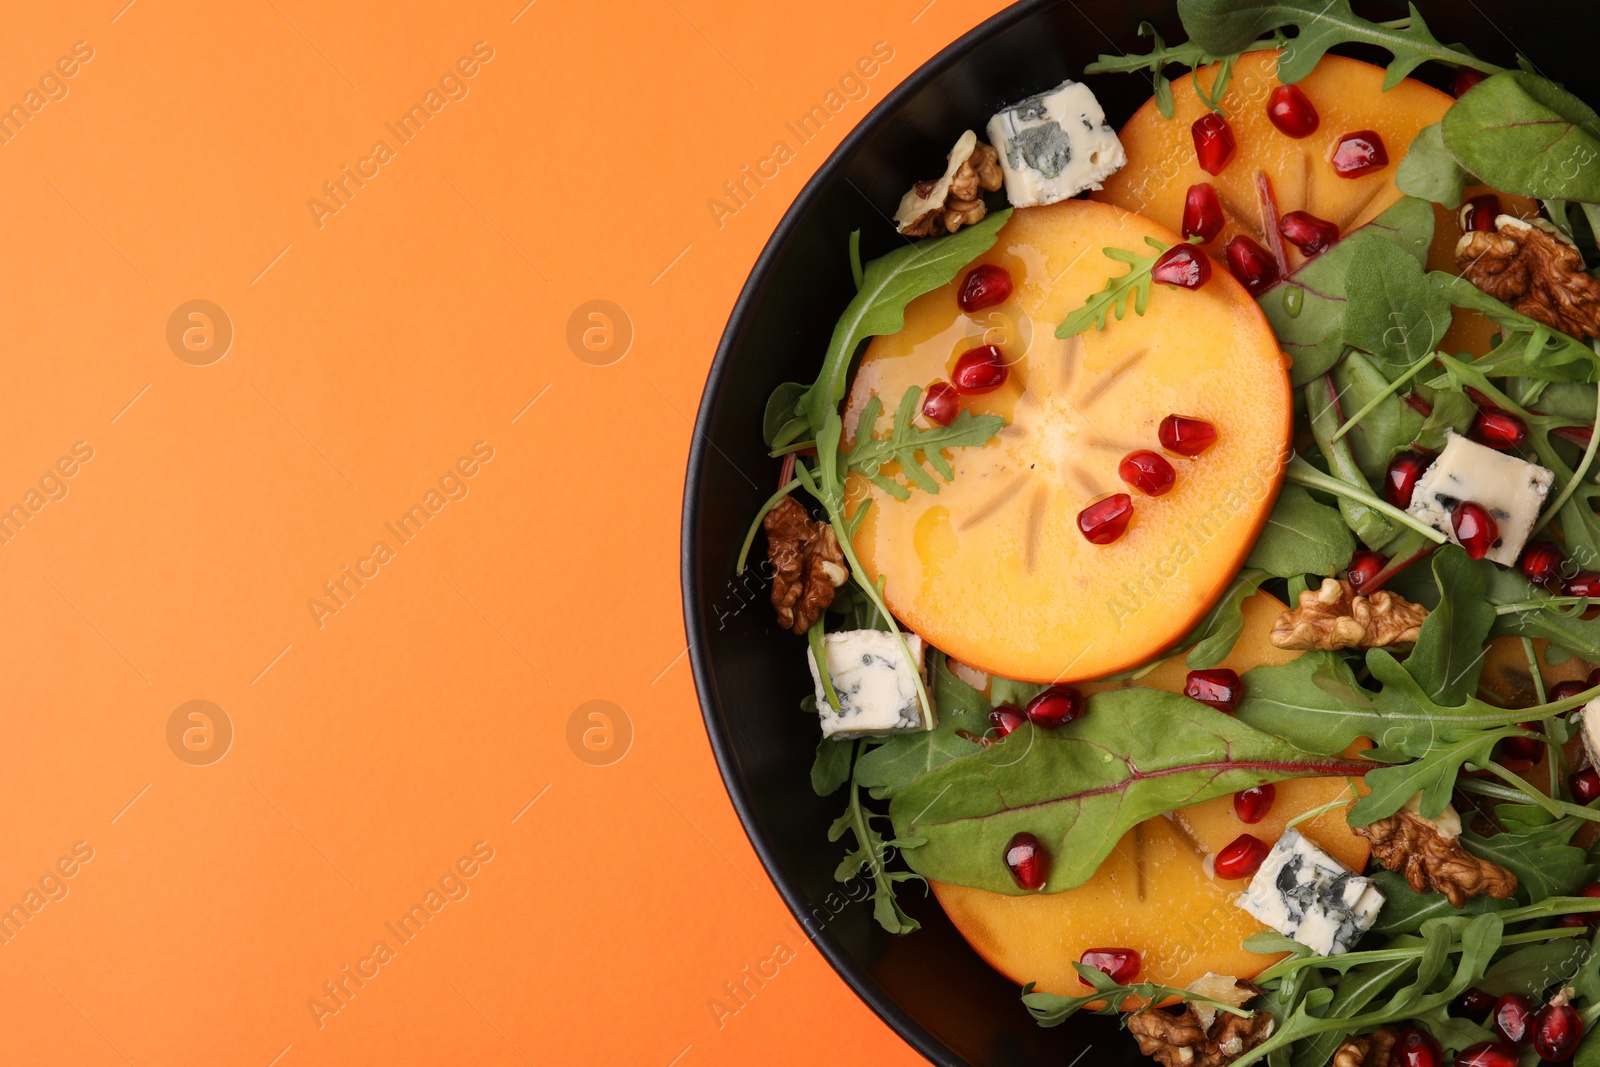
pixel 1540 618
pixel 1051 1009
pixel 889 283
pixel 1325 415
pixel 1119 292
pixel 1522 133
pixel 1221 26
pixel 1190 56
pixel 831 768
pixel 1393 313
pixel 1134 754
pixel 1533 969
pixel 779 423
pixel 1429 170
pixel 1405 910
pixel 872 853
pixel 1534 351
pixel 1534 847
pixel 1448 657
pixel 911 446
pixel 1214 638
pixel 1389 425
pixel 1302 537
pixel 1452 410
pixel 901 758
pixel 1313 701
pixel 1355 990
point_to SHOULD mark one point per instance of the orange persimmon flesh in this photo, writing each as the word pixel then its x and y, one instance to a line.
pixel 993 568
pixel 1155 893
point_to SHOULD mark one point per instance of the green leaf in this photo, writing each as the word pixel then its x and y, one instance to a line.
pixel 1452 410
pixel 1388 427
pixel 1430 171
pixel 871 854
pixel 1570 631
pixel 1161 56
pixel 1521 133
pixel 1017 694
pixel 1531 349
pixel 1326 416
pixel 912 446
pixel 1448 657
pixel 1314 334
pixel 1232 25
pixel 1302 537
pixel 1355 990
pixel 1393 313
pixel 1214 638
pixel 889 283
pixel 1534 968
pixel 1312 701
pixel 1051 1009
pixel 831 768
pixel 901 758
pixel 1120 292
pixel 1405 910
pixel 779 424
pixel 1536 850
pixel 1134 754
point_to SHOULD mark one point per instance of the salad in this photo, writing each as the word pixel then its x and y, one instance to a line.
pixel 1192 530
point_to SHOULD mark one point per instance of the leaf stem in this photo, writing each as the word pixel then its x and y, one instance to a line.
pixel 750 538
pixel 819 653
pixel 1303 473
pixel 1583 466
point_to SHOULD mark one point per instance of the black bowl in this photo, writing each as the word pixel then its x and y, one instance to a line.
pixel 930 986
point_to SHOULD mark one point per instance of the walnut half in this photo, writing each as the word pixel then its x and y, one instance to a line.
pixel 954 200
pixel 1336 616
pixel 1200 1035
pixel 807 564
pixel 1433 861
pixel 1374 1050
pixel 1530 267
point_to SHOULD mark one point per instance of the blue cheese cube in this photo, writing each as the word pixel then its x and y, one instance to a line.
pixel 1512 489
pixel 875 683
pixel 1304 893
pixel 1055 145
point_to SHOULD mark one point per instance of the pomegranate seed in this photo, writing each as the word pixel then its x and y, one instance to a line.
pixel 1463 79
pixel 1512 1020
pixel 1584 918
pixel 1475 528
pixel 1473 1004
pixel 980 370
pixel 1400 480
pixel 985 285
pixel 1359 153
pixel 1252 265
pixel 1487 1054
pixel 1574 921
pixel 1557 1031
pixel 1105 520
pixel 1364 567
pixel 1593 679
pixel 1213 142
pixel 1055 707
pixel 1005 719
pixel 1182 265
pixel 1202 212
pixel 1241 857
pixel 1027 862
pixel 1541 563
pixel 941 403
pixel 1292 112
pixel 1415 1047
pixel 1307 232
pixel 1585 786
pixel 1521 749
pixel 1578 435
pixel 1498 429
pixel 1122 964
pixel 1186 436
pixel 1564 690
pixel 1219 687
pixel 1582 585
pixel 1480 213
pixel 1252 805
pixel 1149 472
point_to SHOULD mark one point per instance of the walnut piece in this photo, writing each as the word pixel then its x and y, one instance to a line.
pixel 1434 862
pixel 1200 1035
pixel 952 201
pixel 1374 1050
pixel 1531 268
pixel 1336 616
pixel 807 564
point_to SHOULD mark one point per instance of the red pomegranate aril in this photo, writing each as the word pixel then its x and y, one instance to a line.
pixel 1463 79
pixel 1213 142
pixel 1219 687
pixel 979 370
pixel 1475 528
pixel 1182 265
pixel 1149 472
pixel 1582 585
pixel 985 285
pixel 1564 690
pixel 1480 213
pixel 1186 436
pixel 1005 719
pixel 1027 862
pixel 1308 233
pixel 1512 1020
pixel 1202 212
pixel 1415 1047
pixel 1498 429
pixel 1557 1030
pixel 1252 265
pixel 1521 749
pixel 1593 679
pixel 1122 964
pixel 1106 520
pixel 1055 707
pixel 1585 786
pixel 1400 481
pixel 1487 1054
pixel 1241 857
pixel 1473 1004
pixel 941 403
pixel 1359 153
pixel 1364 567
pixel 1292 112
pixel 1252 805
pixel 1541 563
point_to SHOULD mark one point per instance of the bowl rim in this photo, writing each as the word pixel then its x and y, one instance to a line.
pixel 700 449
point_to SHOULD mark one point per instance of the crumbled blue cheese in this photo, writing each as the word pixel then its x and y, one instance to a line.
pixel 1055 145
pixel 1304 893
pixel 1512 489
pixel 875 683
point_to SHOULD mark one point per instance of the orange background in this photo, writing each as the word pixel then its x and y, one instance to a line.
pixel 374 346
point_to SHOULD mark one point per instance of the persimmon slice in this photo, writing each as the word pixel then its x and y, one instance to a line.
pixel 993 569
